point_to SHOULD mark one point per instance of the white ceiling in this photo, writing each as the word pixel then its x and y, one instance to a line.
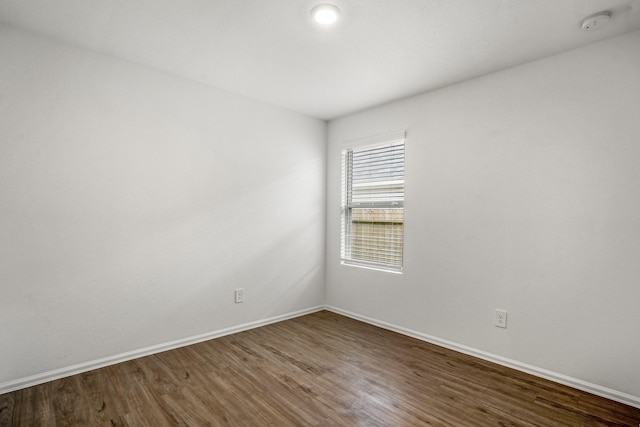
pixel 270 50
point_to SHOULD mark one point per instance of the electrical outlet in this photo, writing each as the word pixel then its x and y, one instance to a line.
pixel 239 295
pixel 501 318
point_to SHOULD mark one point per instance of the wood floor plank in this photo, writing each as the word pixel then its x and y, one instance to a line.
pixel 317 370
pixel 7 403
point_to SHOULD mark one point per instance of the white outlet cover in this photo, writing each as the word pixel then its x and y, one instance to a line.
pixel 501 318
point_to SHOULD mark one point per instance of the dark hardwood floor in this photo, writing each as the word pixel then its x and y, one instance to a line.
pixel 317 370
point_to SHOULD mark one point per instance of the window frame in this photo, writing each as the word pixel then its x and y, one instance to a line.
pixel 347 205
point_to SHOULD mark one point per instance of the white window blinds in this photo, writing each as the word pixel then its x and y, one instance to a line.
pixel 372 232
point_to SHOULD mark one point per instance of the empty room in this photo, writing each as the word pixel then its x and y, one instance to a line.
pixel 323 213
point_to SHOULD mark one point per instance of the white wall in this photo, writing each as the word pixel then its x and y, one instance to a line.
pixel 133 202
pixel 522 193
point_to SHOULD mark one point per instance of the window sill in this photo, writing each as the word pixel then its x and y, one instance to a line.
pixel 392 270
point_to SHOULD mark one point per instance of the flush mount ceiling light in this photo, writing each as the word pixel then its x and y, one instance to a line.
pixel 325 14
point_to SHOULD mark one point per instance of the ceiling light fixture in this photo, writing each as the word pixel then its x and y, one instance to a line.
pixel 325 14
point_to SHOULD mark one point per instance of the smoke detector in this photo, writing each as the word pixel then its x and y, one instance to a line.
pixel 596 21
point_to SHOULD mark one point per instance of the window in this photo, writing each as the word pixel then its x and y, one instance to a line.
pixel 372 229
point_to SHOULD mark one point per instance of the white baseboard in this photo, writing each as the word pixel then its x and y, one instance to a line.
pixel 123 357
pixel 510 363
pixel 147 351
